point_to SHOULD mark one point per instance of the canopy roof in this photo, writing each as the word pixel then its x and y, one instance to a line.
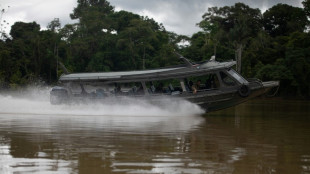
pixel 147 75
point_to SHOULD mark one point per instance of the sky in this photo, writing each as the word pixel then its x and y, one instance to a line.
pixel 179 16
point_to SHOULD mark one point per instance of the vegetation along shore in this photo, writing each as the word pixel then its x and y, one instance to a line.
pixel 270 45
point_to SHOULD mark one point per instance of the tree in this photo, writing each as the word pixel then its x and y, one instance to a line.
pixel 298 61
pixel 92 16
pixel 54 25
pixel 21 30
pixel 213 34
pixel 3 24
pixel 306 4
pixel 6 64
pixel 196 49
pixel 283 19
pixel 137 40
pixel 240 22
pixel 26 42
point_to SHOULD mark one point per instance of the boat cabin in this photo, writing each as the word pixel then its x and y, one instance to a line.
pixel 212 85
pixel 192 79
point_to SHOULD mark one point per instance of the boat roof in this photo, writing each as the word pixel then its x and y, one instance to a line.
pixel 147 75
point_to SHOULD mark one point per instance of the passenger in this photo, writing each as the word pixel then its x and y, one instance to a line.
pixel 171 88
pixel 190 85
pixel 159 88
pixel 83 93
pixel 187 88
pixel 140 91
pixel 134 89
pixel 196 87
pixel 117 90
pixel 99 93
pixel 152 88
pixel 92 94
pixel 198 84
pixel 214 82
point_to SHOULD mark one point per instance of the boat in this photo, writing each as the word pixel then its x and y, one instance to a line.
pixel 213 85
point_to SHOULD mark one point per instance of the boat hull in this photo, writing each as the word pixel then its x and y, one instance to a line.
pixel 233 98
pixel 229 98
pixel 209 100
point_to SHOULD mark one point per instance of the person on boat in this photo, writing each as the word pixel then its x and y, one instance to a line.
pixel 196 87
pixel 186 84
pixel 190 85
pixel 99 93
pixel 198 84
pixel 83 92
pixel 140 90
pixel 160 88
pixel 118 90
pixel 152 88
pixel 214 82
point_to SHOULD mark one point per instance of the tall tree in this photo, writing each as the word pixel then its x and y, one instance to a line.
pixel 54 26
pixel 306 4
pixel 283 19
pixel 92 16
pixel 26 42
pixel 93 21
pixel 213 34
pixel 7 66
pixel 240 22
pixel 137 40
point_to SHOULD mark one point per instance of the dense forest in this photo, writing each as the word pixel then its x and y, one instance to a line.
pixel 274 45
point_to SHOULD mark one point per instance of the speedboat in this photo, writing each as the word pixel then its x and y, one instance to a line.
pixel 213 85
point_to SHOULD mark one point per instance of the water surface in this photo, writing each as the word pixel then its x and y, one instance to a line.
pixel 261 136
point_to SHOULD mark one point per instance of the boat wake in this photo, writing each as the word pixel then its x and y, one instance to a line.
pixel 35 101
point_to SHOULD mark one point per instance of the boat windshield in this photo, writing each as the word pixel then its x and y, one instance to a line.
pixel 237 76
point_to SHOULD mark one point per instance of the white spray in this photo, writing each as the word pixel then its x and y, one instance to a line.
pixel 36 101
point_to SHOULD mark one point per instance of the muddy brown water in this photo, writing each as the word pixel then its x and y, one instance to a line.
pixel 260 136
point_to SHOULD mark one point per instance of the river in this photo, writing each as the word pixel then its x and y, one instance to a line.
pixel 259 136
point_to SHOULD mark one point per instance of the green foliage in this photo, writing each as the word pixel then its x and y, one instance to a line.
pixel 278 71
pixel 283 19
pixel 306 4
pixel 54 25
pixel 100 62
pixel 234 25
pixel 298 58
pixel 272 46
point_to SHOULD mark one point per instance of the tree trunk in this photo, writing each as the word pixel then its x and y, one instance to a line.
pixel 132 52
pixel 55 57
pixel 39 58
pixel 238 55
pixel 214 49
pixel 143 67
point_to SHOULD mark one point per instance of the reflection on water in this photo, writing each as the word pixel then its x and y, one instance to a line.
pixel 99 143
pixel 255 137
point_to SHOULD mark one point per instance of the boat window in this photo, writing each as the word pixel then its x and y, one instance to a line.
pixel 170 86
pixel 124 89
pixel 238 77
pixel 227 80
pixel 211 82
pixel 75 88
